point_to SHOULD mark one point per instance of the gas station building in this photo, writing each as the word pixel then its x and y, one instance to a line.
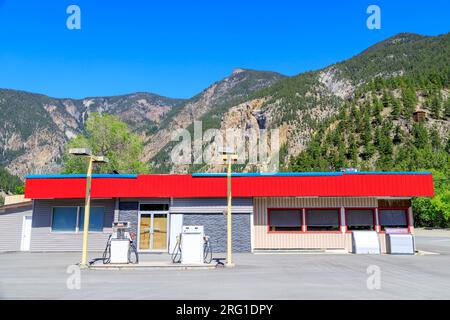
pixel 281 211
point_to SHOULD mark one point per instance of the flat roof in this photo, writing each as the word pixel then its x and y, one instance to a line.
pixel 208 185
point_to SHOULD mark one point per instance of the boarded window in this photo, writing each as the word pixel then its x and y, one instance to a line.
pixel 322 219
pixel 359 219
pixel 285 220
pixel 393 218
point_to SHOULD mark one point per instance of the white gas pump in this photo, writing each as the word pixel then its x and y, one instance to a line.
pixel 120 247
pixel 192 242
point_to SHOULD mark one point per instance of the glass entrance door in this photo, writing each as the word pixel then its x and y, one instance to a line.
pixel 144 231
pixel 152 231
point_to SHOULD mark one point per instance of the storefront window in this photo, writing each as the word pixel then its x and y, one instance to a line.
pixel 322 219
pixel 71 219
pixel 64 219
pixel 393 218
pixel 285 220
pixel 359 219
pixel 96 216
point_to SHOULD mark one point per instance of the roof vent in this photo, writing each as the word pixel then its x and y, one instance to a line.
pixel 349 170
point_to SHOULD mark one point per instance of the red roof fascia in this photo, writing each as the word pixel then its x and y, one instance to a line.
pixel 186 186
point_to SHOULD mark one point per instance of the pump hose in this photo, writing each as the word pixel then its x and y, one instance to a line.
pixel 207 251
pixel 176 253
pixel 107 252
pixel 132 251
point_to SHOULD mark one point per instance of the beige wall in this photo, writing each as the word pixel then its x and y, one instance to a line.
pixel 19 198
pixel 318 240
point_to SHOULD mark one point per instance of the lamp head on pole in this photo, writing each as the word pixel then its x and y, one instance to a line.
pixel 80 152
pixel 101 159
pixel 228 153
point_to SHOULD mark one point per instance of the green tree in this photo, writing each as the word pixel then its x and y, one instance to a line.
pixel 9 182
pixel 20 189
pixel 435 140
pixel 420 135
pixel 434 212
pixel 395 112
pixel 436 107
pixel 409 101
pixel 107 136
pixel 447 108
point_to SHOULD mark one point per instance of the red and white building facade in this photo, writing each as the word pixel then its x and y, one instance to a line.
pixel 284 211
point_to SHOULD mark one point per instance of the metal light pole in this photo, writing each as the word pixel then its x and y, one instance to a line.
pixel 87 204
pixel 228 156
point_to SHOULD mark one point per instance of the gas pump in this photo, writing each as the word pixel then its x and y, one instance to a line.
pixel 120 247
pixel 192 247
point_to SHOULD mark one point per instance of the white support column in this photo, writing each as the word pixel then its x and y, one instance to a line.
pixel 343 222
pixel 116 209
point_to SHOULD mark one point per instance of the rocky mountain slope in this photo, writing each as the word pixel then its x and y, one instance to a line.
pixel 35 128
pixel 299 105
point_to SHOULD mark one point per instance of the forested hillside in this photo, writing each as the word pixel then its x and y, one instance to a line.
pixel 8 184
pixel 382 128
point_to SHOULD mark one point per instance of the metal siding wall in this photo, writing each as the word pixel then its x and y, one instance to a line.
pixel 210 205
pixel 132 217
pixel 265 240
pixel 42 239
pixel 209 213
pixel 216 228
pixel 11 228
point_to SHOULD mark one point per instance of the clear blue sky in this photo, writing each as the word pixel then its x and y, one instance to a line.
pixel 177 48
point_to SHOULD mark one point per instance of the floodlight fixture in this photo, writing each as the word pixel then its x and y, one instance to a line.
pixel 80 152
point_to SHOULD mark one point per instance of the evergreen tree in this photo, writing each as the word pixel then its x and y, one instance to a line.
pixel 409 100
pixel 447 108
pixel 435 139
pixel 395 108
pixel 436 107
pixel 420 135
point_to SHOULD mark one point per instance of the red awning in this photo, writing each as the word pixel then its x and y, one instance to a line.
pixel 188 186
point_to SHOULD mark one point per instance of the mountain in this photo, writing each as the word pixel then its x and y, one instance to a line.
pixel 299 105
pixel 36 127
pixel 209 107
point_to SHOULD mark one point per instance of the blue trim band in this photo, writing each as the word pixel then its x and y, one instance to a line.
pixel 389 172
pixel 269 174
pixel 75 176
pixel 304 174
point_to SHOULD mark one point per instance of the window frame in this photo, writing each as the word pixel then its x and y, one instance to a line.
pixel 300 230
pixel 304 227
pixel 77 227
pixel 374 217
pixel 408 225
pixel 52 218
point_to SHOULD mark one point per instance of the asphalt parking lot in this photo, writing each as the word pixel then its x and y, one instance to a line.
pixel 275 276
